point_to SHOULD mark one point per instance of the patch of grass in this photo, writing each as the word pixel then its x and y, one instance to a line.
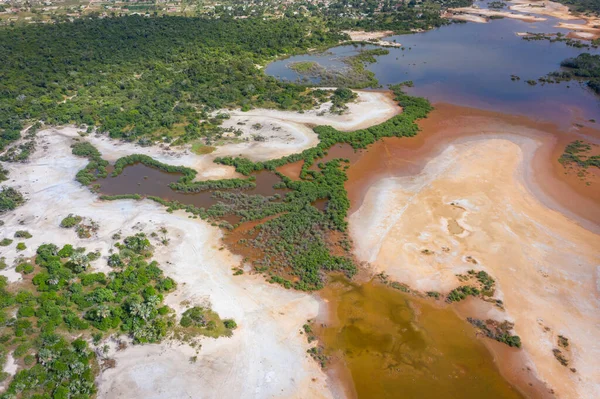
pixel 202 149
pixel 302 66
pixel 71 221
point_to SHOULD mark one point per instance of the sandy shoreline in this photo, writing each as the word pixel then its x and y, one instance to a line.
pixel 479 183
pixel 526 10
pixel 559 190
pixel 475 14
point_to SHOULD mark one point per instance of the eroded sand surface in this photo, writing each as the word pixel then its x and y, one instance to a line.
pixel 471 200
pixel 266 357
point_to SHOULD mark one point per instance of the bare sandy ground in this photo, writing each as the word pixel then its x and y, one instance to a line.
pixel 472 200
pixel 586 31
pixel 375 37
pixel 266 357
pixel 361 35
pixel 542 7
pixel 526 10
pixel 482 12
pixel 466 17
pixel 370 108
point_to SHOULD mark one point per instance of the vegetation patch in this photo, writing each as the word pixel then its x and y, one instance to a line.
pixel 23 234
pixel 10 198
pixel 84 227
pixel 583 67
pixel 354 74
pixel 65 305
pixel 160 74
pixel 71 221
pixel 204 321
pixel 483 286
pixel 95 169
pixel 202 149
pixel 499 331
pixel 3 174
pixel 294 240
pixel 578 156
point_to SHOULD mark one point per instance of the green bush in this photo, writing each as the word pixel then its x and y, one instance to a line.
pixel 10 199
pixel 21 246
pixel 230 324
pixel 23 234
pixel 70 221
pixel 6 242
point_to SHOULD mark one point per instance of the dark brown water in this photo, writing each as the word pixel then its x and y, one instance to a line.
pixel 397 346
pixel 147 181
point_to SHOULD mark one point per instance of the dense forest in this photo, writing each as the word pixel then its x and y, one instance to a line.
pixel 137 76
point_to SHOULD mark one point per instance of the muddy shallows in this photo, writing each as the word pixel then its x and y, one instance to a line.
pixel 383 343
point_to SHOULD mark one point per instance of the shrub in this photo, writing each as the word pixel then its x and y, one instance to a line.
pixel 66 251
pixel 6 242
pixel 230 324
pixel 70 221
pixel 23 234
pixel 10 199
pixel 21 246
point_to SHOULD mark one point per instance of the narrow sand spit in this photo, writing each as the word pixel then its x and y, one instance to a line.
pixel 370 108
pixel 466 17
pixel 361 35
pixel 375 37
pixel 282 132
pixel 472 200
pixel 492 13
pixel 266 357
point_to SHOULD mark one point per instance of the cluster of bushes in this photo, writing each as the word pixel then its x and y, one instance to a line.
pixel 500 331
pixel 10 198
pixel 69 304
pixel 462 292
pixel 206 322
pixel 577 152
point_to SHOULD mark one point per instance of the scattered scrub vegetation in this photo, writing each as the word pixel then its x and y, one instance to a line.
pixel 499 331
